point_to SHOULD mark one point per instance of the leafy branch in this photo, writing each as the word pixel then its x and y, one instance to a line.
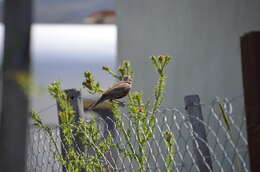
pixel 141 113
pixel 169 139
pixel 143 117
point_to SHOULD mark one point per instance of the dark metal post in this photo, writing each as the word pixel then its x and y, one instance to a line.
pixel 201 150
pixel 250 51
pixel 15 74
pixel 77 104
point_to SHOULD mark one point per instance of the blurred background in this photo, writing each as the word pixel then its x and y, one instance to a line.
pixel 68 38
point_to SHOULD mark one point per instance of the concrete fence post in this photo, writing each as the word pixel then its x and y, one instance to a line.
pixel 201 150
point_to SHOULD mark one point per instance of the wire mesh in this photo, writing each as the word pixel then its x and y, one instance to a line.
pixel 40 149
pixel 227 146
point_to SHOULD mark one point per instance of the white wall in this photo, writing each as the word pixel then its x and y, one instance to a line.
pixel 203 35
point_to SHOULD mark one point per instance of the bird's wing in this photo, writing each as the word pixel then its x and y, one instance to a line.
pixel 118 88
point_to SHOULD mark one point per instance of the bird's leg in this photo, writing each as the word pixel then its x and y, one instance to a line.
pixel 120 103
pixel 117 102
pixel 112 101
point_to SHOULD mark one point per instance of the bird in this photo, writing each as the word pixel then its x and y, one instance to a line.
pixel 117 91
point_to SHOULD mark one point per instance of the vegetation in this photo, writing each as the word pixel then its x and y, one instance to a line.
pixel 142 114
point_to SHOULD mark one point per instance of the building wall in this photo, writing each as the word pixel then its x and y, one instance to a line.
pixel 203 36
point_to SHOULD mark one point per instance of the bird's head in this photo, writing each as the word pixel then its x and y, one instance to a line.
pixel 127 78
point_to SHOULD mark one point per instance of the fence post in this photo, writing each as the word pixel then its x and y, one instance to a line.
pixel 15 73
pixel 76 102
pixel 250 53
pixel 201 150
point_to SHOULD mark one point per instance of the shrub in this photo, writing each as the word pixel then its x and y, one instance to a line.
pixel 142 114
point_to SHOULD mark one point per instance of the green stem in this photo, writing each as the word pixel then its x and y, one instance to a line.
pixel 158 94
pixel 129 143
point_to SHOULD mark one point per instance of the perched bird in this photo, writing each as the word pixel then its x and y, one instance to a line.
pixel 117 91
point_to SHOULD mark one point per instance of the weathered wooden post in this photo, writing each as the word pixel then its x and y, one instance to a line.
pixel 15 73
pixel 250 51
pixel 76 102
pixel 104 110
pixel 201 150
pixel 109 128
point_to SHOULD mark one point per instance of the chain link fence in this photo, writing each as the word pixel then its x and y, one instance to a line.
pixel 226 144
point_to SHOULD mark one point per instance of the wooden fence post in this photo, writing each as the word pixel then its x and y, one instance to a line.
pixel 15 73
pixel 76 102
pixel 250 51
pixel 201 150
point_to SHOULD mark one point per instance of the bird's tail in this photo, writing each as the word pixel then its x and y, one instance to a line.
pixel 93 105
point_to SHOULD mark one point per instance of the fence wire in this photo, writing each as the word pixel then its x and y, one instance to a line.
pixel 228 147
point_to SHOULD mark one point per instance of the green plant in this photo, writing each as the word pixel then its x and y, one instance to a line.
pixel 142 114
pixel 87 130
pixel 171 152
